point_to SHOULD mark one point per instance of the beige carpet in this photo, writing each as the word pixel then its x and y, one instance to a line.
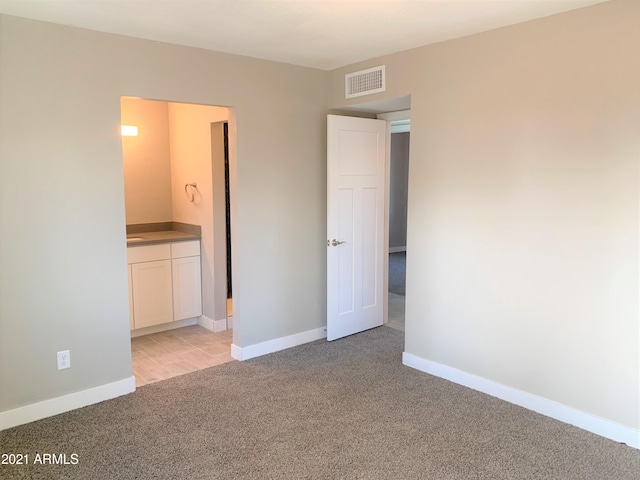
pixel 342 410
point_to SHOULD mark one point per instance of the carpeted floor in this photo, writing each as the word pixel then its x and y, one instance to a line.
pixel 344 410
pixel 397 272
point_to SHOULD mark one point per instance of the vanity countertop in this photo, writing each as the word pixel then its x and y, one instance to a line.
pixel 152 238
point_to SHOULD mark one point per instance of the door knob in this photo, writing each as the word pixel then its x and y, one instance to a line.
pixel 334 243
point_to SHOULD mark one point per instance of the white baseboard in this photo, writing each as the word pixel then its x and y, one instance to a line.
pixel 187 322
pixel 220 325
pixel 275 345
pixel 212 325
pixel 586 421
pixel 236 352
pixel 397 249
pixel 55 406
pixel 230 323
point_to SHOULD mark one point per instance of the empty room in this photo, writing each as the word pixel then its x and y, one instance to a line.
pixel 519 351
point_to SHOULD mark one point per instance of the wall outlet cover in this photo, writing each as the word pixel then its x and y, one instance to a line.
pixel 64 359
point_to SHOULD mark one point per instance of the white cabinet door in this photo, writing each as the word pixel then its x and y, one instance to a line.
pixel 187 288
pixel 152 294
pixel 131 324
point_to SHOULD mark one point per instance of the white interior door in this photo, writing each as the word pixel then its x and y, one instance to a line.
pixel 356 153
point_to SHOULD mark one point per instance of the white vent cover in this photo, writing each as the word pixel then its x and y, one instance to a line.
pixel 364 82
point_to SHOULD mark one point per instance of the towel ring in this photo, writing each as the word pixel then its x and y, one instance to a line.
pixel 190 190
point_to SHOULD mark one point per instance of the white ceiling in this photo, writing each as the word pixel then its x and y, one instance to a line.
pixel 324 34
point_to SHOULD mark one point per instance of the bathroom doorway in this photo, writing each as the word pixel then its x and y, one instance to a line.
pixel 176 173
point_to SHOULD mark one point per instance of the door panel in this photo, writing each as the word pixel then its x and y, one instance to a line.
pixel 369 244
pixel 355 219
pixel 345 261
pixel 358 153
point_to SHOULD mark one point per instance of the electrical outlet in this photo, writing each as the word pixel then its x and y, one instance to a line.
pixel 64 359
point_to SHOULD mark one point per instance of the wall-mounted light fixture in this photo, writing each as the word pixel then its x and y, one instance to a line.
pixel 129 131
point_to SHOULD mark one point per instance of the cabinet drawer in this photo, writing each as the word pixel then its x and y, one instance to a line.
pixel 148 253
pixel 185 249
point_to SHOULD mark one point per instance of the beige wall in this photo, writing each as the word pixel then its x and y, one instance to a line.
pixel 147 167
pixel 192 162
pixel 63 275
pixel 523 205
pixel 398 183
pixel 219 291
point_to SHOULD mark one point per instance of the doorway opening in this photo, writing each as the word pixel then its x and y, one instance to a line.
pixel 390 255
pixel 178 215
pixel 398 189
pixel 397 193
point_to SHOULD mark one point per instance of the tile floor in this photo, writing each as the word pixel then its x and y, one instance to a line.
pixel 163 355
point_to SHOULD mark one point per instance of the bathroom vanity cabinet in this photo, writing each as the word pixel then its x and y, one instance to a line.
pixel 164 283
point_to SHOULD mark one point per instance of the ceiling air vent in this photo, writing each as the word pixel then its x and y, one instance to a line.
pixel 364 82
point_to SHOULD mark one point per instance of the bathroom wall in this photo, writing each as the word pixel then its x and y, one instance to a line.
pixel 191 162
pixel 147 168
